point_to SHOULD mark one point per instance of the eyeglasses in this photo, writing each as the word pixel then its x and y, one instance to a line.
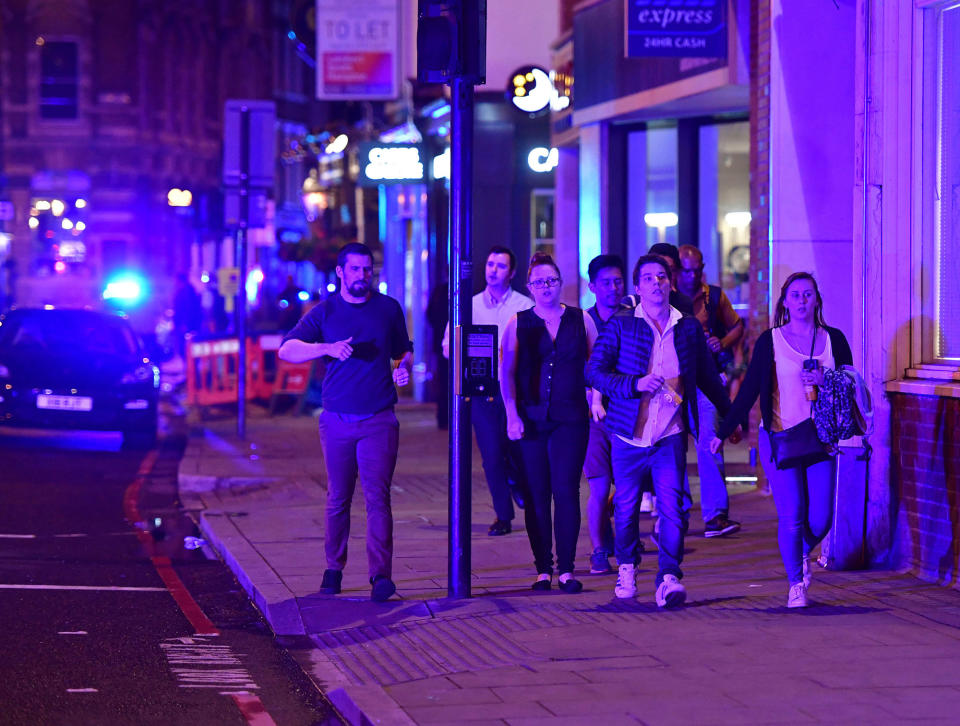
pixel 544 282
pixel 649 279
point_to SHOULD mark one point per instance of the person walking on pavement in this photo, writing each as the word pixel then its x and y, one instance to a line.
pixel 496 304
pixel 606 276
pixel 723 329
pixel 786 367
pixel 650 363
pixel 359 332
pixel 544 352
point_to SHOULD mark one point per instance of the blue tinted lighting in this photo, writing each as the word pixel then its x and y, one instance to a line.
pixel 124 289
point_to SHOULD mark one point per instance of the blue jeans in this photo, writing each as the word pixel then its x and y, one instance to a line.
pixel 714 500
pixel 804 501
pixel 490 427
pixel 666 463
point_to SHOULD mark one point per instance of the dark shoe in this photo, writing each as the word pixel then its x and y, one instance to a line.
pixel 541 585
pixel 331 582
pixel 720 526
pixel 517 493
pixel 570 586
pixel 382 589
pixel 500 528
pixel 600 562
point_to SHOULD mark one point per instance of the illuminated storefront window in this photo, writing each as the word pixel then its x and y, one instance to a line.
pixel 57 232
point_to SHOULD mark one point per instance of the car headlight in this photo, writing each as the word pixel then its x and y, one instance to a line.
pixel 142 374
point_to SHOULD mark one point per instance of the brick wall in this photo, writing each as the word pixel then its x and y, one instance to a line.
pixel 925 478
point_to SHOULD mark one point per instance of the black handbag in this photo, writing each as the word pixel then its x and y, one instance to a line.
pixel 798 446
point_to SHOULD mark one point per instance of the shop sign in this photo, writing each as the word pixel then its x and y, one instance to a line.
pixel 358 49
pixel 390 164
pixel 671 28
pixel 531 90
pixel 543 160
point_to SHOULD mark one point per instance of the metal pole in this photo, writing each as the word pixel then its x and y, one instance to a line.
pixel 241 297
pixel 461 281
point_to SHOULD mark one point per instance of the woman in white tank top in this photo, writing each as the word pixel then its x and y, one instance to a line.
pixel 776 375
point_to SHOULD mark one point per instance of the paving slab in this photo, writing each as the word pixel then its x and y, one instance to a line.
pixel 876 647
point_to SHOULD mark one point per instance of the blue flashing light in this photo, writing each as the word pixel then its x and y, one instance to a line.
pixel 440 111
pixel 283 304
pixel 125 289
pixel 292 35
pixel 304 296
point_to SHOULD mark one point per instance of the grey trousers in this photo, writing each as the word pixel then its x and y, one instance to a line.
pixel 367 448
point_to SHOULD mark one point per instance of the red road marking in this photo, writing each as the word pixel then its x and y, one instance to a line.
pixel 191 610
pixel 252 709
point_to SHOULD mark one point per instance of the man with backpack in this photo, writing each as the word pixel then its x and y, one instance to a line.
pixel 724 330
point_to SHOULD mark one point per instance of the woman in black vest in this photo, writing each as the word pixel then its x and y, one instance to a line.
pixel 543 354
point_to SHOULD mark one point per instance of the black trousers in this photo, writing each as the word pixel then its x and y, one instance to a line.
pixel 552 455
pixel 490 426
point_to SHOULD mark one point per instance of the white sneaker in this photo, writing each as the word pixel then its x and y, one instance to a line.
pixel 626 581
pixel 646 502
pixel 797 598
pixel 671 593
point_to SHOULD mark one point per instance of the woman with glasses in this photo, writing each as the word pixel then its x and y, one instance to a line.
pixel 543 355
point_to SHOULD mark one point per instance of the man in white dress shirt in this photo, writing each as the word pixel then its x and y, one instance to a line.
pixel 495 305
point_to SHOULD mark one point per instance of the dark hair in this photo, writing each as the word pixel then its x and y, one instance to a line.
pixel 602 262
pixel 666 250
pixel 353 248
pixel 782 315
pixel 542 258
pixel 648 260
pixel 501 250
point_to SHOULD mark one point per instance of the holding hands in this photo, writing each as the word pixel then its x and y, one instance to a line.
pixel 735 438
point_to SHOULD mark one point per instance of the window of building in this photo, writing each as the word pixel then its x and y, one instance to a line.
pixel 939 218
pixel 59 80
pixel 541 221
pixel 724 208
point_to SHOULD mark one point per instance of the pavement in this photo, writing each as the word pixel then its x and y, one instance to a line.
pixel 875 647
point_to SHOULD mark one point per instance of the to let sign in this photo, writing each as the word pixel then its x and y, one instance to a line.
pixel 676 28
pixel 357 49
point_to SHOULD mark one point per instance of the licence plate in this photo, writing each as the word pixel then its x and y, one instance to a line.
pixel 65 403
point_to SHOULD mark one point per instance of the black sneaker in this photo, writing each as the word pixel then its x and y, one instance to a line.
pixel 331 582
pixel 600 562
pixel 382 589
pixel 720 526
pixel 500 528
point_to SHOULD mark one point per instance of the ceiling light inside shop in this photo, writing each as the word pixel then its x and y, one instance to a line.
pixel 737 220
pixel 661 219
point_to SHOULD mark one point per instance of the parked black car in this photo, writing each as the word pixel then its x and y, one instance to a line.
pixel 76 369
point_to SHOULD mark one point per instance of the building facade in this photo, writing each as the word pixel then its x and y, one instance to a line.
pixel 111 137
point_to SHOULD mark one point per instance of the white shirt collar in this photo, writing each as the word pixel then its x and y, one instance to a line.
pixel 488 298
pixel 675 316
